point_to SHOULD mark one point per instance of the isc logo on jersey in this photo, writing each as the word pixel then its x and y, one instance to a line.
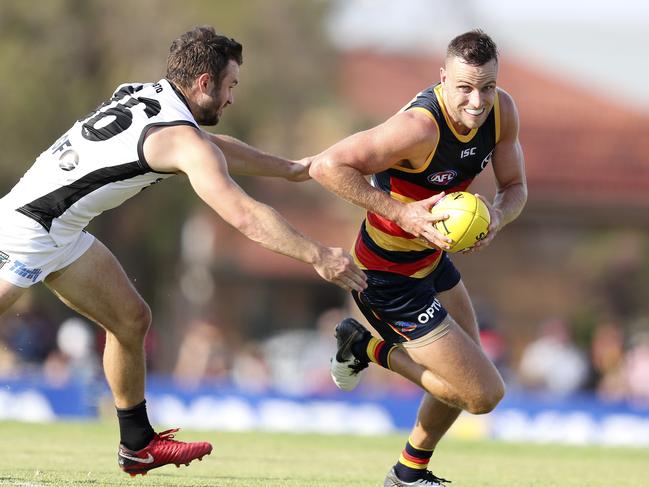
pixel 442 178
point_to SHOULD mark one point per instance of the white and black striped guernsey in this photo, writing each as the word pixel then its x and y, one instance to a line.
pixel 99 163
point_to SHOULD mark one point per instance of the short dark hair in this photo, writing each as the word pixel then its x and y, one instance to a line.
pixel 474 47
pixel 201 50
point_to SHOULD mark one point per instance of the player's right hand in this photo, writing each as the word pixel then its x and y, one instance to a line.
pixel 416 218
pixel 299 170
pixel 335 265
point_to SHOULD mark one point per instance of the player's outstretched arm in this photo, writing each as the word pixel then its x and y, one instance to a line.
pixel 246 160
pixel 342 168
pixel 185 149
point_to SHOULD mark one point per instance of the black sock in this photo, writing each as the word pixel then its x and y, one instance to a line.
pixel 359 349
pixel 370 349
pixel 135 431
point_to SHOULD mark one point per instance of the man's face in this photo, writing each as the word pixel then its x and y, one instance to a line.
pixel 216 98
pixel 469 92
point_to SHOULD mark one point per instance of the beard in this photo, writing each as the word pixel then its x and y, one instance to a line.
pixel 207 117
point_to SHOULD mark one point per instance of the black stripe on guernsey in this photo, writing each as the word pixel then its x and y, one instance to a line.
pixel 54 204
pixel 145 130
pixel 396 256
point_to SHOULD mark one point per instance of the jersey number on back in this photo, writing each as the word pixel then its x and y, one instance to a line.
pixel 122 118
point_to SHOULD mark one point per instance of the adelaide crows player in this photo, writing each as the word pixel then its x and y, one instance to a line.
pixel 415 297
pixel 144 133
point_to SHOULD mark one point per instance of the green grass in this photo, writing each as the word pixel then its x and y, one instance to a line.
pixel 84 454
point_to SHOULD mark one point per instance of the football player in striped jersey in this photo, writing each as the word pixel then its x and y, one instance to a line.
pixel 415 299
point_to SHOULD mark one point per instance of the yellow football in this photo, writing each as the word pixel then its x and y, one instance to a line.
pixel 468 220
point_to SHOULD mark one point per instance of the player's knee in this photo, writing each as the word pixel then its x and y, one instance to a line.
pixel 142 318
pixel 487 400
pixel 136 320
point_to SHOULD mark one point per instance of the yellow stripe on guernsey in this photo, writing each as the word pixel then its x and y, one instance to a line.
pixel 392 243
pixel 400 197
pixel 356 261
pixel 400 244
pixel 418 466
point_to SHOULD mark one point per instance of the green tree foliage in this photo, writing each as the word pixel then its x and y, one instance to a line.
pixel 60 58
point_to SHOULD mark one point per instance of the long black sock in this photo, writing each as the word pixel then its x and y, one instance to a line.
pixel 359 348
pixel 135 431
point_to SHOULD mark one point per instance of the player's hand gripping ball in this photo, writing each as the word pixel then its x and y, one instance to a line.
pixel 468 220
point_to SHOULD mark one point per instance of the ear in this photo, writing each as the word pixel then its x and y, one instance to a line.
pixel 442 75
pixel 203 82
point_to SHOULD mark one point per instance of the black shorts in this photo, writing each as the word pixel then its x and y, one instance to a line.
pixel 402 308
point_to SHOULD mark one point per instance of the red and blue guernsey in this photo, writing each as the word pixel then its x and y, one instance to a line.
pixel 452 165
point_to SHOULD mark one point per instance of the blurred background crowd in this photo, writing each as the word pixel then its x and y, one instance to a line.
pixel 560 293
pixel 612 362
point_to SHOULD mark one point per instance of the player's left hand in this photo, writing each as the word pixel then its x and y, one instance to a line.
pixel 337 266
pixel 299 170
pixel 494 226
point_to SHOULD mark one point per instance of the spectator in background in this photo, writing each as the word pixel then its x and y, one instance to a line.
pixel 636 370
pixel 76 361
pixel 28 332
pixel 250 370
pixel 553 363
pixel 204 355
pixel 298 359
pixel 607 360
pixel 494 345
pixel 8 360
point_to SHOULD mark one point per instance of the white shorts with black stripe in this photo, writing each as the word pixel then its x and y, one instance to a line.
pixel 28 254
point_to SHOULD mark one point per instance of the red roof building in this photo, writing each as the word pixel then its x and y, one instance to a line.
pixel 581 148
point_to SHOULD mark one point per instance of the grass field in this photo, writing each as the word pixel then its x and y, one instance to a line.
pixel 84 454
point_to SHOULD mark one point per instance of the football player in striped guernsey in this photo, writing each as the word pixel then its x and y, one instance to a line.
pixel 415 299
pixel 144 133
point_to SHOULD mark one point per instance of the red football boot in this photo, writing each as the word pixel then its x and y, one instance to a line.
pixel 162 450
